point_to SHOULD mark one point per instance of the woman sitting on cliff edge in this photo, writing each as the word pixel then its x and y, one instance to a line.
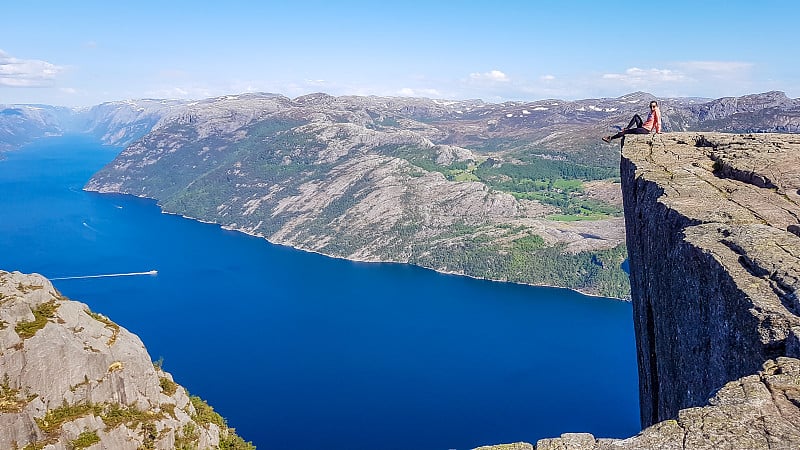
pixel 651 125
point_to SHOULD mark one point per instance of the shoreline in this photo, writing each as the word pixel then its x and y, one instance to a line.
pixel 261 236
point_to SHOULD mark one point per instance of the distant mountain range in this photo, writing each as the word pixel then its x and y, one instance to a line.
pixel 115 123
pixel 551 123
pixel 518 191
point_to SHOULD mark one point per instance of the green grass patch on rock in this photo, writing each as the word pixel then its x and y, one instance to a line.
pixel 168 386
pixel 85 440
pixel 55 418
pixel 577 217
pixel 12 400
pixel 41 314
pixel 108 324
pixel 228 439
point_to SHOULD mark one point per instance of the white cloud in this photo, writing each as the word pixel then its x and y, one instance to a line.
pixel 715 66
pixel 17 72
pixel 687 78
pixel 494 76
pixel 638 77
pixel 423 92
pixel 547 77
pixel 177 92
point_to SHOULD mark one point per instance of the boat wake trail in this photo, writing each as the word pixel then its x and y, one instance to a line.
pixel 90 227
pixel 129 274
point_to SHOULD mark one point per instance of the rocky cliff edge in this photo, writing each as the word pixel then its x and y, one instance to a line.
pixel 714 245
pixel 71 378
pixel 713 234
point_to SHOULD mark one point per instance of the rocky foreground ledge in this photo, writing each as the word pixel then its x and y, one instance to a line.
pixel 713 235
pixel 755 412
pixel 71 379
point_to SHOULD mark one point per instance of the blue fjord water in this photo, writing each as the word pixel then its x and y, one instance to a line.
pixel 301 351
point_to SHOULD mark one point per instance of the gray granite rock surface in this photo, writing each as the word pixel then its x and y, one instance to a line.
pixel 58 357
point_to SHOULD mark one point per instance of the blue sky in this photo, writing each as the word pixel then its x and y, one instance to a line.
pixel 86 52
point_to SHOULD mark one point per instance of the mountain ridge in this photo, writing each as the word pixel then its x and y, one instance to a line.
pixel 161 108
pixel 499 191
pixel 456 186
pixel 354 178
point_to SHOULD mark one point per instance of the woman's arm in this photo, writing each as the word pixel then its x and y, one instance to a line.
pixel 657 123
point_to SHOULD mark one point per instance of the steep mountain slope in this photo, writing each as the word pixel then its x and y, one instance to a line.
pixel 114 123
pixel 20 124
pixel 72 378
pixel 359 178
pixel 121 123
pixel 491 190
pixel 508 191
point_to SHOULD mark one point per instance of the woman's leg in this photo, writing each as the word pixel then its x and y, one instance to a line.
pixel 615 136
pixel 637 130
pixel 635 120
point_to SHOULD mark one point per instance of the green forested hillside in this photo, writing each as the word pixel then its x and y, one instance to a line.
pixel 383 191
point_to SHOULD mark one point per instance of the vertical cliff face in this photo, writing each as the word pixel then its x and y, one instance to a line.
pixel 712 230
pixel 713 233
